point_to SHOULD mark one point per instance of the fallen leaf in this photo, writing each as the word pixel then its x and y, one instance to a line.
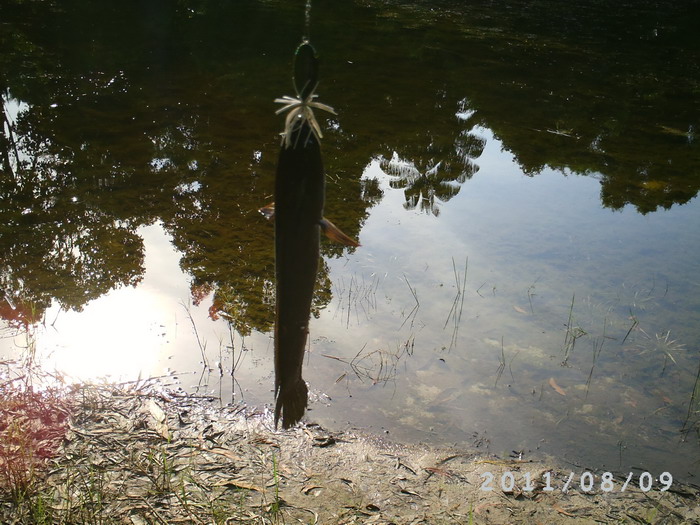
pixel 232 483
pixel 161 425
pixel 480 507
pixel 562 511
pixel 224 452
pixel 665 398
pixel 559 390
pixel 324 442
pixel 156 411
pixel 437 470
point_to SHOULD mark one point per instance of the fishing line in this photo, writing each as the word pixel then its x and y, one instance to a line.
pixel 306 36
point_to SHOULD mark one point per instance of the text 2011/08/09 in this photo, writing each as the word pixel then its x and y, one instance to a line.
pixel 585 482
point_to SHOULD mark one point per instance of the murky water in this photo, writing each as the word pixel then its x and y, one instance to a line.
pixel 523 183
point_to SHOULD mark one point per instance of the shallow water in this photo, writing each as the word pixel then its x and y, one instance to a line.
pixel 523 184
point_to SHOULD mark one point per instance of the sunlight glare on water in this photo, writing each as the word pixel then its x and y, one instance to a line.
pixel 130 332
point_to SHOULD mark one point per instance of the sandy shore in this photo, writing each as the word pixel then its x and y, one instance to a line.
pixel 137 455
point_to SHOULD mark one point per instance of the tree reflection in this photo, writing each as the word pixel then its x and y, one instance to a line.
pixel 114 118
pixel 54 242
pixel 437 175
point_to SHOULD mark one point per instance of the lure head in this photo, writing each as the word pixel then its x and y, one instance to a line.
pixel 300 109
pixel 305 70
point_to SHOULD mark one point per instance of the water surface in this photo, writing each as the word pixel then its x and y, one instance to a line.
pixel 522 179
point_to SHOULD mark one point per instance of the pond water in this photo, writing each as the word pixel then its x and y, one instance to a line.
pixel 522 178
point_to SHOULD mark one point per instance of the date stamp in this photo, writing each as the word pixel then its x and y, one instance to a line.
pixel 584 482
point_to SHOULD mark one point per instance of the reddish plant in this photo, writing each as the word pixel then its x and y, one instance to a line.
pixel 32 427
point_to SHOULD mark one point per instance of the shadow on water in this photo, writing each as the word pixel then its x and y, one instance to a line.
pixel 117 118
